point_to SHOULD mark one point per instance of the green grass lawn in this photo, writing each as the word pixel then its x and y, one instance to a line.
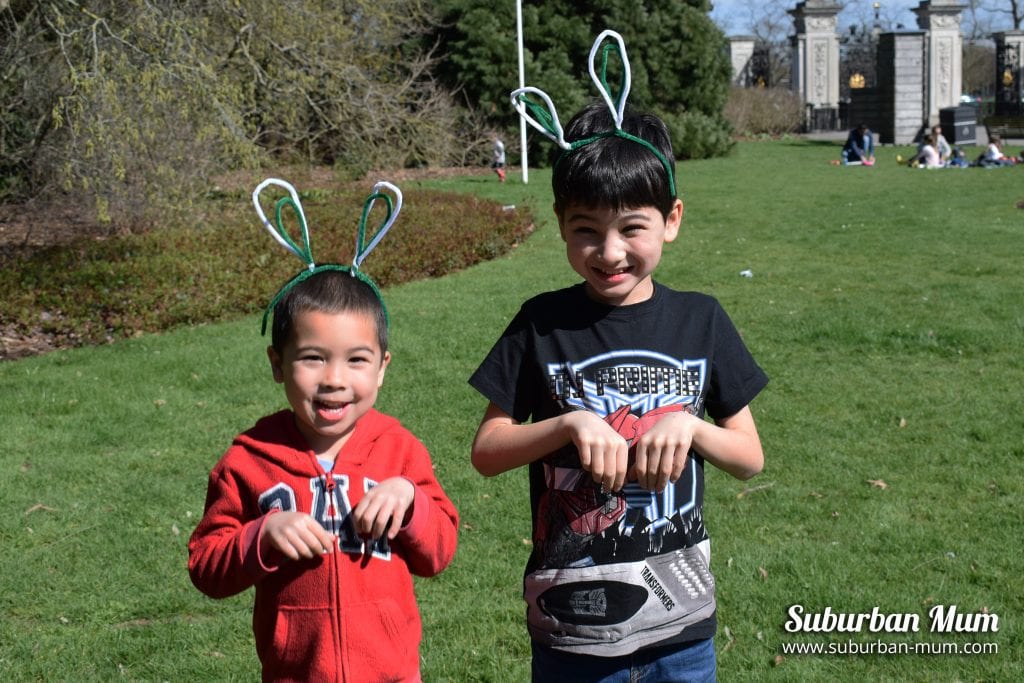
pixel 886 305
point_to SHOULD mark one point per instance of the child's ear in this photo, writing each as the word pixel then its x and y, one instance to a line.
pixel 561 229
pixel 275 364
pixel 672 221
pixel 385 359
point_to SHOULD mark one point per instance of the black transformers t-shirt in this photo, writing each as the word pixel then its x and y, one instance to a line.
pixel 611 573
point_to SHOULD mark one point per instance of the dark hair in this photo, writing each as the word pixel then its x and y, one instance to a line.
pixel 328 291
pixel 612 171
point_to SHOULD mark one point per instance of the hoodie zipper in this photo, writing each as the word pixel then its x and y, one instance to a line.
pixel 333 582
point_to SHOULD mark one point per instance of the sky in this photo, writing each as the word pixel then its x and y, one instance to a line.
pixel 734 16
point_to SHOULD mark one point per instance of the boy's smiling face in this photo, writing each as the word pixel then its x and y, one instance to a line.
pixel 331 368
pixel 616 251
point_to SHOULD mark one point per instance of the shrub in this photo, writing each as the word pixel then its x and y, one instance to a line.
pixel 698 136
pixel 764 111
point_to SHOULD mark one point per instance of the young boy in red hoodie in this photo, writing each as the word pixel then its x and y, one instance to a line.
pixel 329 508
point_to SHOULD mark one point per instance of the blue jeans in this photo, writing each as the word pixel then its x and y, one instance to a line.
pixel 687 663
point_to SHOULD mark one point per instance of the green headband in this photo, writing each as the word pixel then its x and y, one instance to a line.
pixel 305 252
pixel 619 133
pixel 545 118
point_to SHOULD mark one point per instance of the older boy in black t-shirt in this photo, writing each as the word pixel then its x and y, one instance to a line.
pixel 602 389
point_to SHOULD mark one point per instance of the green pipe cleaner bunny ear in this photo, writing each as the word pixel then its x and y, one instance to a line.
pixel 545 118
pixel 305 252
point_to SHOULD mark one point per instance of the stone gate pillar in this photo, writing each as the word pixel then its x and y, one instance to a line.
pixel 901 86
pixel 940 19
pixel 815 60
pixel 741 51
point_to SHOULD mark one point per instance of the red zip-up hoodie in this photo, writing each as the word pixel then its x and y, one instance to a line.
pixel 350 615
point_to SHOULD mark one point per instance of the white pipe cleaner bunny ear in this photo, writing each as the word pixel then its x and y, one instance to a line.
pixel 618 107
pixel 305 252
pixel 278 232
pixel 544 117
pixel 394 207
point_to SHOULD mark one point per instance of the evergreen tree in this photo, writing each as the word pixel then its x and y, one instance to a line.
pixel 679 61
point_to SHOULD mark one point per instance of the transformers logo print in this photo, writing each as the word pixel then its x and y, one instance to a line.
pixel 643 379
pixel 590 602
pixel 631 391
pixel 593 603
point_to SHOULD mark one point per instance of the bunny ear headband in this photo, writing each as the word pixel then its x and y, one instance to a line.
pixel 305 252
pixel 545 118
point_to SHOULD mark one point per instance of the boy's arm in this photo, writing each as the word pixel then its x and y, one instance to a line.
pixel 731 444
pixel 430 535
pixel 502 444
pixel 224 550
pixel 429 522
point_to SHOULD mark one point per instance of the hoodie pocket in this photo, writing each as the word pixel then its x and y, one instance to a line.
pixel 301 644
pixel 381 641
pixel 378 642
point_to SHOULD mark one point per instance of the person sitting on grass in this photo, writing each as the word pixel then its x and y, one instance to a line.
pixel 859 147
pixel 940 144
pixel 328 508
pixel 928 155
pixel 958 159
pixel 993 155
pixel 601 390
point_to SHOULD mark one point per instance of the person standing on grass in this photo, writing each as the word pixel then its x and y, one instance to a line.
pixel 328 508
pixel 498 157
pixel 601 390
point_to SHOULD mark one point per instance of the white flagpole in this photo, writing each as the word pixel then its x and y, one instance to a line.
pixel 522 83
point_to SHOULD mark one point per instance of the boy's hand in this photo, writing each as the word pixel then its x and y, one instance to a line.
pixel 603 451
pixel 297 535
pixel 661 451
pixel 384 508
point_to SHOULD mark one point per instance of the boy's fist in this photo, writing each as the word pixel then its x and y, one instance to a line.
pixel 385 508
pixel 297 535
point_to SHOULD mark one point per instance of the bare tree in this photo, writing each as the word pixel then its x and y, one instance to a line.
pixel 133 107
pixel 982 18
pixel 1009 9
pixel 770 26
pixel 978 66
